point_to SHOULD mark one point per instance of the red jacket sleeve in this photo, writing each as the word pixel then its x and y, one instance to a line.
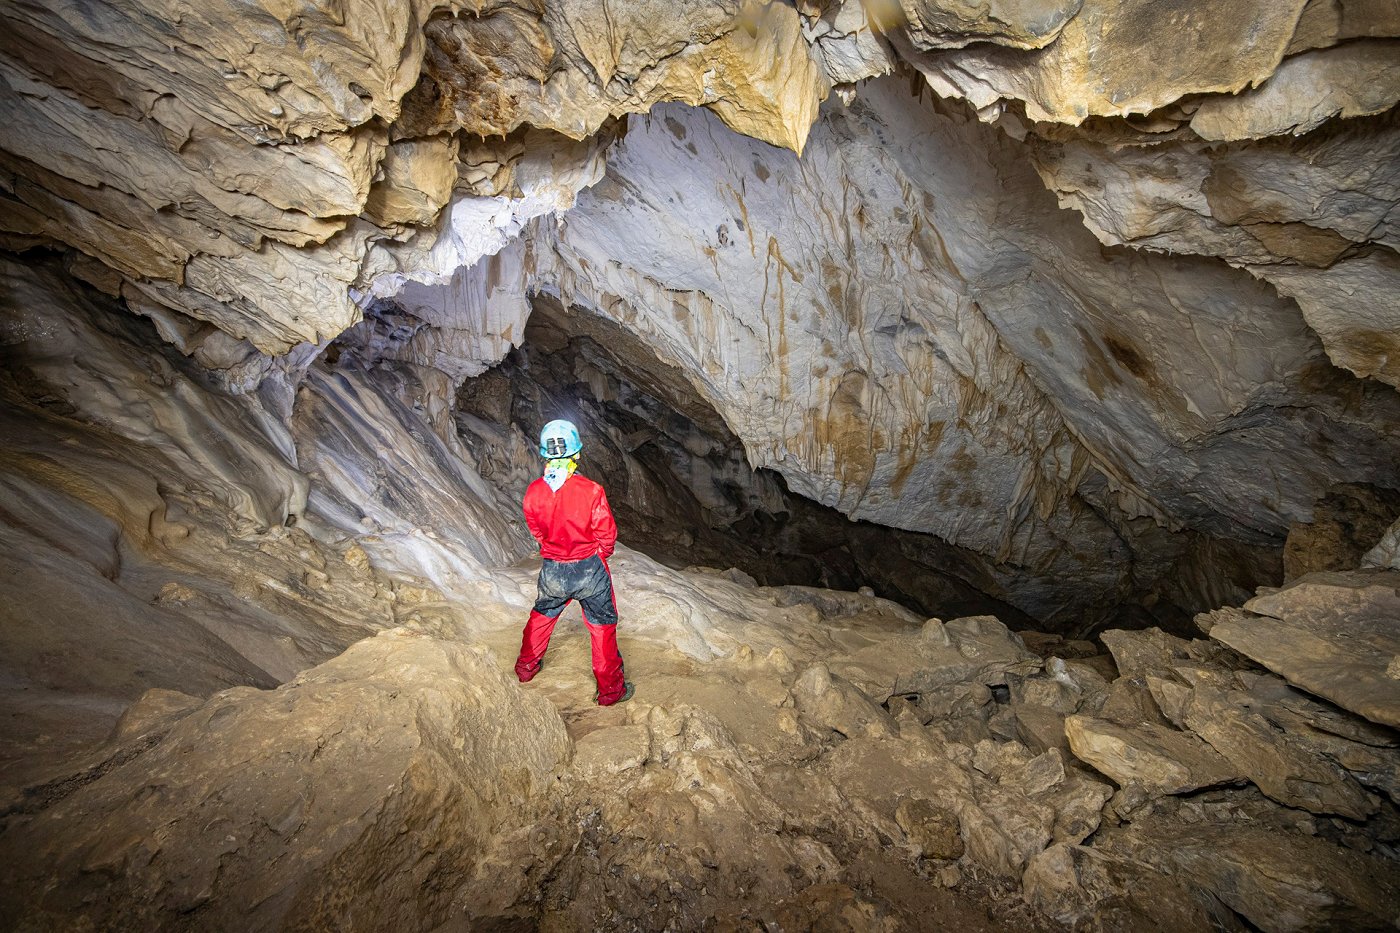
pixel 532 518
pixel 604 528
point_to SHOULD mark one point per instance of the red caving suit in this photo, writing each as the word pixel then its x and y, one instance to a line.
pixel 577 535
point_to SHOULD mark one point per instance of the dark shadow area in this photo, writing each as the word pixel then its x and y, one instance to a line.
pixel 677 478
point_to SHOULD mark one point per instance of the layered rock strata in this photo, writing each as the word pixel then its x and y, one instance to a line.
pixel 901 309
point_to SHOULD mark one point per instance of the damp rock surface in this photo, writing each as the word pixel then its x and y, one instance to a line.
pixel 1331 634
pixel 1084 315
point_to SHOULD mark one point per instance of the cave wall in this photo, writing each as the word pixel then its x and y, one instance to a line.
pixel 967 361
pixel 902 322
pixel 680 484
pixel 159 533
pixel 1101 295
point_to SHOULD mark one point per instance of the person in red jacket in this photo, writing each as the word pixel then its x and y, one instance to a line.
pixel 569 516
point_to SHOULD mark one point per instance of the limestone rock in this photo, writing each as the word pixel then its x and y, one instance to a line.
pixel 1078 801
pixel 403 751
pixel 1285 770
pixel 153 710
pixel 1128 701
pixel 1083 73
pixel 603 754
pixel 1031 801
pixel 250 68
pixel 1360 337
pixel 955 701
pixel 1003 830
pixel 1278 881
pixel 1144 652
pixel 1015 24
pixel 1331 634
pixel 1040 728
pixel 1346 523
pixel 837 704
pixel 851 47
pixel 1386 554
pixel 385 476
pixel 1093 890
pixel 1287 211
pixel 929 828
pixel 1161 760
pixel 1206 621
pixel 492 72
pixel 418 177
pixel 1062 690
pixel 1360 78
pixel 531 175
pixel 1370 752
pixel 977 649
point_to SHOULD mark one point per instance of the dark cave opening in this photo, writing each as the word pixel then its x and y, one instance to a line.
pixel 677 477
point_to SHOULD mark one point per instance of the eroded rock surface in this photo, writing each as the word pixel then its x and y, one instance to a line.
pixel 1331 634
pixel 1108 320
pixel 909 334
pixel 399 767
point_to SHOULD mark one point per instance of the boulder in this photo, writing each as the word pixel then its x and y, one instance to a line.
pixel 1160 759
pixel 1088 889
pixel 1029 803
pixel 371 790
pixel 838 705
pixel 1368 751
pixel 1333 634
pixel 1282 767
pixel 962 652
pixel 1003 829
pixel 1078 801
pixel 604 753
pixel 1062 687
pixel 1386 554
pixel 1039 728
pixel 1277 881
pixel 1127 701
pixel 1143 652
pixel 931 829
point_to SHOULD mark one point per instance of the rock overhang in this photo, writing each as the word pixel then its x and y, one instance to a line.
pixel 916 335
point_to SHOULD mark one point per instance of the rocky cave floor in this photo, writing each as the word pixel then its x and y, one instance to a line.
pixel 794 759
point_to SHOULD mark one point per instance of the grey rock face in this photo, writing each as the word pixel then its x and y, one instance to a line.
pixel 908 333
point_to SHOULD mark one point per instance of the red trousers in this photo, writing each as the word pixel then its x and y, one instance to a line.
pixel 589 582
pixel 607 660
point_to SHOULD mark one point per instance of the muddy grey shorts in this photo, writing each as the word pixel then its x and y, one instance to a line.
pixel 586 580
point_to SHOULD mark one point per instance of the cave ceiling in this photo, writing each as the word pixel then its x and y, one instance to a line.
pixel 1041 278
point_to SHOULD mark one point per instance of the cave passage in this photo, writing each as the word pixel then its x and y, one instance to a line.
pixel 677 478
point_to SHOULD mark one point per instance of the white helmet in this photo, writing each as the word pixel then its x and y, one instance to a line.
pixel 559 439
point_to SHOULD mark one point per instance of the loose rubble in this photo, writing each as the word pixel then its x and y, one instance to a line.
pixel 749 787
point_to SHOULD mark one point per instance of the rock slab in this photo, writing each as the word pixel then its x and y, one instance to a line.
pixel 1333 634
